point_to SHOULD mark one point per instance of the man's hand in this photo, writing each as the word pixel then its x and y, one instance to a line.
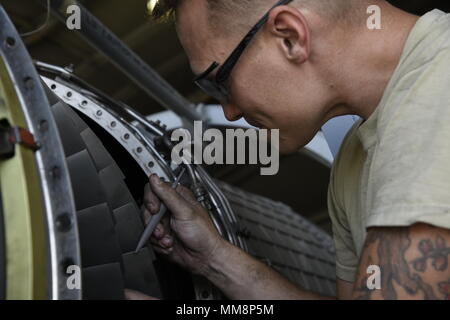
pixel 136 295
pixel 414 263
pixel 188 237
pixel 186 234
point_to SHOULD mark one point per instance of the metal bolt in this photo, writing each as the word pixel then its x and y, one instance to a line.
pixel 55 172
pixel 63 222
pixel 65 264
pixel 99 113
pixel 43 125
pixel 151 164
pixel 28 81
pixel 10 41
pixel 126 136
pixel 139 150
pixel 113 124
pixel 69 94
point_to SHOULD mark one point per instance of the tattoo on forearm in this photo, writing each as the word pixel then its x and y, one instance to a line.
pixel 394 265
pixel 444 288
pixel 437 253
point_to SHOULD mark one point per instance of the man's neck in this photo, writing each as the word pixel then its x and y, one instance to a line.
pixel 371 60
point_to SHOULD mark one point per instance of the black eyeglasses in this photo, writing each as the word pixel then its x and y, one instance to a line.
pixel 214 87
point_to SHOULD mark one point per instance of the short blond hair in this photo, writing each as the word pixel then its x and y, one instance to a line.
pixel 222 10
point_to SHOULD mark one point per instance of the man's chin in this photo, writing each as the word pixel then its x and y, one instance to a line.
pixel 290 147
pixel 286 149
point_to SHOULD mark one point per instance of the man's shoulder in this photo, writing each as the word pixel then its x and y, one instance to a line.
pixel 428 41
pixel 346 169
pixel 350 152
pixel 420 83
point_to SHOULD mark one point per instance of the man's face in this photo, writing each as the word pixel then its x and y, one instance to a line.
pixel 265 88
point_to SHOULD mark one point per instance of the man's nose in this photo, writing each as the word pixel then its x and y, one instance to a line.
pixel 231 112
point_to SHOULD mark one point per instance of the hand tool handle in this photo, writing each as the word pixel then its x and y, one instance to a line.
pixel 151 227
pixel 156 218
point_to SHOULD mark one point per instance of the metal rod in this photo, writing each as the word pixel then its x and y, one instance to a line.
pixel 126 60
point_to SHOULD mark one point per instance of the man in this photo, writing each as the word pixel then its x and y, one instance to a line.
pixel 310 61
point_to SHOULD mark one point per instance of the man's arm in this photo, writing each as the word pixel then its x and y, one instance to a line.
pixel 344 289
pixel 413 263
pixel 241 276
pixel 188 238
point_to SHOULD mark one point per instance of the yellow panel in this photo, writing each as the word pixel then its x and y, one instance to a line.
pixel 23 209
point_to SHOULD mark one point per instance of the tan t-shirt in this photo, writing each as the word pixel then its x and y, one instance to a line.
pixel 394 169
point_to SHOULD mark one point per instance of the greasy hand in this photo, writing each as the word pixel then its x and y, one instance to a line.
pixel 186 234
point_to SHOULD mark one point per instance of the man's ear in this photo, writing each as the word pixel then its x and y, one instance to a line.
pixel 289 25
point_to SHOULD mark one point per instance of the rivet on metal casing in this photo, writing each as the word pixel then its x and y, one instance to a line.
pixel 10 41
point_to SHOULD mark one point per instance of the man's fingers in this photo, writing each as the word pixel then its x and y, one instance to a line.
pixel 136 295
pixel 166 224
pixel 151 201
pixel 163 227
pixel 187 195
pixel 164 243
pixel 161 249
pixel 159 231
pixel 176 204
pixel 146 215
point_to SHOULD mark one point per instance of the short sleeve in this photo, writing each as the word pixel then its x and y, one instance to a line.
pixel 346 258
pixel 410 172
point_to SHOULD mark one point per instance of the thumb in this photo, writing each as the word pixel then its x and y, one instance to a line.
pixel 176 204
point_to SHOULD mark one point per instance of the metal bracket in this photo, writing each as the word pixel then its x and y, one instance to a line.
pixel 11 136
pixel 56 197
